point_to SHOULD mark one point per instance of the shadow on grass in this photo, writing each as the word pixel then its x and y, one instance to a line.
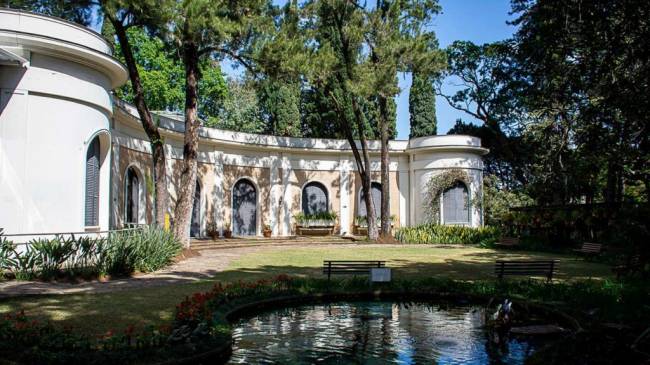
pixel 154 303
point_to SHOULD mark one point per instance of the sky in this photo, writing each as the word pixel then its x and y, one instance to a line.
pixel 479 21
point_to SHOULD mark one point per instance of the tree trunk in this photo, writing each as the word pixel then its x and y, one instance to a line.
pixel 385 171
pixel 161 195
pixel 366 183
pixel 362 167
pixel 184 200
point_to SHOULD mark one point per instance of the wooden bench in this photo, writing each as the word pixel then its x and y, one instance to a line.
pixel 630 266
pixel 590 249
pixel 544 268
pixel 508 242
pixel 350 267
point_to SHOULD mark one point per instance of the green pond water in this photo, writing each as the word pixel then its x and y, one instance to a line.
pixel 372 333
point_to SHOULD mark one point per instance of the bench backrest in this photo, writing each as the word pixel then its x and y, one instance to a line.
pixel 526 267
pixel 591 247
pixel 509 240
pixel 350 266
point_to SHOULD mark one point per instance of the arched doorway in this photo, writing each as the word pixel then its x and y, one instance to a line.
pixel 132 196
pixel 195 225
pixel 455 204
pixel 244 208
pixel 314 198
pixel 375 192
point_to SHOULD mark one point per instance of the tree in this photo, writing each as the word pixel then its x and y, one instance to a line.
pixel 422 107
pixel 280 101
pixel 161 74
pixel 338 32
pixel 122 15
pixel 240 110
pixel 397 42
pixel 205 30
pixel 587 64
pixel 488 90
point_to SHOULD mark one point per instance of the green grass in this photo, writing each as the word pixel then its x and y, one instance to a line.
pixel 98 313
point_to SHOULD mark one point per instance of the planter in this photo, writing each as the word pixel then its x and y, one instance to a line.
pixel 316 223
pixel 227 233
pixel 267 233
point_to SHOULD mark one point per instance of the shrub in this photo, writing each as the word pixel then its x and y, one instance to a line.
pixel 7 260
pixel 435 233
pixel 119 254
pixel 52 254
pixel 326 216
pixel 144 250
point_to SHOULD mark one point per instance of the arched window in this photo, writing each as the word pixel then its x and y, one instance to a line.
pixel 455 204
pixel 244 208
pixel 375 192
pixel 91 216
pixel 195 225
pixel 132 196
pixel 314 198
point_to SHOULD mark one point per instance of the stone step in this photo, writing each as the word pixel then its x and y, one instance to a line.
pixel 206 244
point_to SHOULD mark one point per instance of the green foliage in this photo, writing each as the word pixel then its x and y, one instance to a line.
pixel 144 250
pixel 7 260
pixel 422 107
pixel 441 234
pixel 280 101
pixel 240 110
pixel 163 77
pixel 437 184
pixel 322 216
pixel 624 226
pixel 121 253
pixel 52 254
pixel 498 199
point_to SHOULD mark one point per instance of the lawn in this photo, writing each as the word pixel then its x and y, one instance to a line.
pixel 99 313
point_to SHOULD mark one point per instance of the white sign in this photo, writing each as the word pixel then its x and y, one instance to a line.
pixel 380 275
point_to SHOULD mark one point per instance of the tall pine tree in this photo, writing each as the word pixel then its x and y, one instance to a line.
pixel 422 107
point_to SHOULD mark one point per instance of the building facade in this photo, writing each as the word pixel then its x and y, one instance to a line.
pixel 75 159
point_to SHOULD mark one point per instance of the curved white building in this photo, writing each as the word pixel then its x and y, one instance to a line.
pixel 73 160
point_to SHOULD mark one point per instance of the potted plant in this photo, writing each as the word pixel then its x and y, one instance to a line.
pixel 212 230
pixel 267 231
pixel 227 233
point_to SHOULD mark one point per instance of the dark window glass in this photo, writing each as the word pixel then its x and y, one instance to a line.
pixel 244 208
pixel 314 198
pixel 195 225
pixel 132 193
pixel 92 184
pixel 455 203
pixel 375 192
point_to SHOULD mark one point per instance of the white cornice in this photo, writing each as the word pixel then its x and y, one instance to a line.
pixel 172 128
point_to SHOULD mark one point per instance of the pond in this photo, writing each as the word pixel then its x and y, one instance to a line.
pixel 372 333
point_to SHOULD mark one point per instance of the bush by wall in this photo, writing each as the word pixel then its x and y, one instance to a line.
pixel 120 253
pixel 440 234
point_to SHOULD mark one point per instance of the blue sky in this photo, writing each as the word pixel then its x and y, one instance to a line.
pixel 479 21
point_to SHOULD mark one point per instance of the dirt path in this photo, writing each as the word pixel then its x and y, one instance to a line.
pixel 192 269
